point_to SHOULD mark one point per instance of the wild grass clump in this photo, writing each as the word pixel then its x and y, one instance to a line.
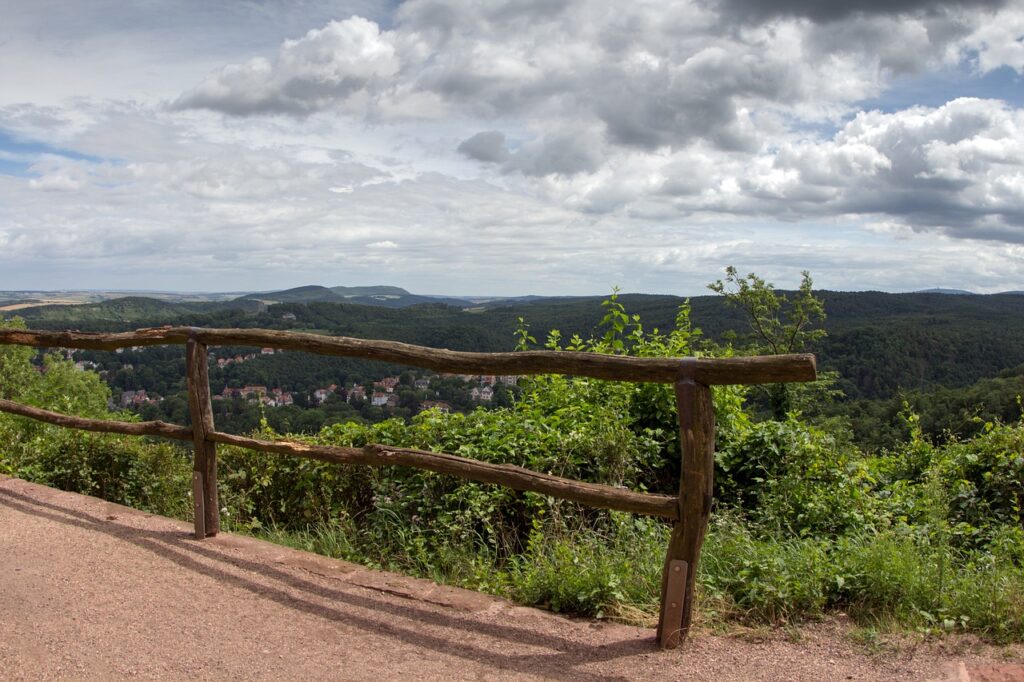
pixel 886 577
pixel 615 573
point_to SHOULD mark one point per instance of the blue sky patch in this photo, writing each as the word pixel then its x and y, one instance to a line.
pixel 933 89
pixel 17 156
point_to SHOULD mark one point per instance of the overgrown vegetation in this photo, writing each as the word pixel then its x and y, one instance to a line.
pixel 923 534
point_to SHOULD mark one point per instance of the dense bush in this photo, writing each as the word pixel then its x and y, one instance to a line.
pixel 153 476
pixel 788 476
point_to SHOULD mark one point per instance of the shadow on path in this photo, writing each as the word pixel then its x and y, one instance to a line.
pixel 384 618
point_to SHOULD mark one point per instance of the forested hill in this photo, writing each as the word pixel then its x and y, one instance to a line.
pixel 128 312
pixel 880 343
pixel 384 296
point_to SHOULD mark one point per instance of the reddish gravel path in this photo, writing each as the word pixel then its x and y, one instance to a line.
pixel 92 590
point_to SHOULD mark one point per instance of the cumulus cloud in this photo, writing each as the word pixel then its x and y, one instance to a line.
pixel 999 42
pixel 488 146
pixel 565 152
pixel 327 65
pixel 268 214
pixel 648 76
pixel 957 169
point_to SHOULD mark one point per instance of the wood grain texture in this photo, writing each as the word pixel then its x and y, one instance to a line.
pixel 198 505
pixel 697 442
pixel 708 371
pixel 676 576
pixel 156 428
pixel 200 406
pixel 518 478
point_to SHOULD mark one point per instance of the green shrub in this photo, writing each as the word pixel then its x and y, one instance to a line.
pixel 793 477
pixel 152 476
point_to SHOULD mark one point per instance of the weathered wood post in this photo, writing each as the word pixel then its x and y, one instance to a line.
pixel 204 470
pixel 696 479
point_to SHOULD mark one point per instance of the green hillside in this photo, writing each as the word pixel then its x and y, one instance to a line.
pixel 379 296
pixel 121 314
pixel 305 294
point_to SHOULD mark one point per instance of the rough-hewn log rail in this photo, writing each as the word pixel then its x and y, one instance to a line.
pixel 518 478
pixel 692 377
pixel 763 369
pixel 162 429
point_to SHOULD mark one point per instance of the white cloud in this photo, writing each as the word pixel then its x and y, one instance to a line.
pixel 539 146
pixel 999 41
pixel 334 64
pixel 955 168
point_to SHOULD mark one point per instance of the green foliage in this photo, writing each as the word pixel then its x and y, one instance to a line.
pixel 974 489
pixel 794 478
pixel 56 384
pixel 763 578
pixel 886 347
pixel 569 430
pixel 943 413
pixel 985 478
pixel 16 373
pixel 892 576
pixel 117 468
pixel 126 470
pixel 779 323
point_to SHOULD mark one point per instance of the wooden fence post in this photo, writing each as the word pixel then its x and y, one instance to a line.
pixel 200 406
pixel 696 479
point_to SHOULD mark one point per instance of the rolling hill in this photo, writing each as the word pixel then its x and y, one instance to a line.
pixel 381 296
pixel 879 343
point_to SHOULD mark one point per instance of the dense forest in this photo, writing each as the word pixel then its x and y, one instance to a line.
pixel 957 360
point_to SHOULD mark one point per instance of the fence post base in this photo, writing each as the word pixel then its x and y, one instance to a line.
pixel 198 504
pixel 669 637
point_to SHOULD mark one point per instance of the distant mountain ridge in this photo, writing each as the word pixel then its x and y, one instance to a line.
pixel 379 290
pixel 387 296
pixel 304 294
pixel 952 292
pixel 376 295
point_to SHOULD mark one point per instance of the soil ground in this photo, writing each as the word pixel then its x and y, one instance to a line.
pixel 97 591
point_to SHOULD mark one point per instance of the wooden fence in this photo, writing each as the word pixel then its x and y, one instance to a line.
pixel 692 377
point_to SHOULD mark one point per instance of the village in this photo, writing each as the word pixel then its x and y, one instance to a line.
pixel 409 393
pixel 383 393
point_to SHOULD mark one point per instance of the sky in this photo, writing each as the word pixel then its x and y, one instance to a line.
pixel 496 147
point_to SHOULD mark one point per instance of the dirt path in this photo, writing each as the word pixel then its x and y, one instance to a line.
pixel 92 590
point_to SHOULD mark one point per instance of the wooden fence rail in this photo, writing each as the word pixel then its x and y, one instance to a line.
pixel 688 511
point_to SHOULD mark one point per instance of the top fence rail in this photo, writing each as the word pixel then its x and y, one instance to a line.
pixel 763 369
